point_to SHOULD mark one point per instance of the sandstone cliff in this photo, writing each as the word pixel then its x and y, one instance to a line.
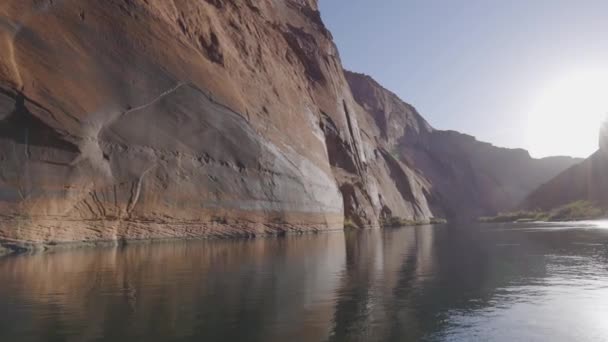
pixel 150 119
pixel 157 119
pixel 469 178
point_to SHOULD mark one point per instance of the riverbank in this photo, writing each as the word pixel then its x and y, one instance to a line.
pixel 219 232
pixel 19 236
pixel 394 222
pixel 575 211
pixel 11 248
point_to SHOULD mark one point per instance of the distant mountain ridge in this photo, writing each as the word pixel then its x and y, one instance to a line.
pixel 473 178
pixel 586 181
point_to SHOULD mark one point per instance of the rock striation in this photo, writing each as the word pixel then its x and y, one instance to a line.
pixel 152 119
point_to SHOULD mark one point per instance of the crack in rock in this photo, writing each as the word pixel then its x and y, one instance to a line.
pixel 90 148
pixel 135 196
pixel 155 100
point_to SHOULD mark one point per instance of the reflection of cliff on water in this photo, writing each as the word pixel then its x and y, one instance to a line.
pixel 264 290
pixel 378 265
pixel 406 284
pixel 381 285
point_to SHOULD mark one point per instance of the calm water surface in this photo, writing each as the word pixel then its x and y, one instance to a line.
pixel 523 282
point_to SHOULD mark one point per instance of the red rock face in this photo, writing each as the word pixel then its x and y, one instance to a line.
pixel 144 119
pixel 158 119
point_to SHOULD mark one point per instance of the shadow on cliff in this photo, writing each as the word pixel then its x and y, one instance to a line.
pixel 22 127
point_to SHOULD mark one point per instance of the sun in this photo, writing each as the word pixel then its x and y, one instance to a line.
pixel 567 114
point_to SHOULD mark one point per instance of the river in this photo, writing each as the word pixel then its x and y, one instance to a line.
pixel 492 282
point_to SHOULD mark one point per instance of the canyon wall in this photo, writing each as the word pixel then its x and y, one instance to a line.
pixel 160 119
pixel 153 119
pixel 470 178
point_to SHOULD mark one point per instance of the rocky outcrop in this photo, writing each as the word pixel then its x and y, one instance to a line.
pixel 151 119
pixel 469 178
pixel 159 119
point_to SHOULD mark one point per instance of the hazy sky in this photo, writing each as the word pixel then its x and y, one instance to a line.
pixel 486 67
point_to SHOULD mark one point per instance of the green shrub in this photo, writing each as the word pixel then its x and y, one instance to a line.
pixel 395 221
pixel 436 220
pixel 515 216
pixel 580 210
pixel 349 224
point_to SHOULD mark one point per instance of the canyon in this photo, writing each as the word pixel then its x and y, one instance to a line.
pixel 151 119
